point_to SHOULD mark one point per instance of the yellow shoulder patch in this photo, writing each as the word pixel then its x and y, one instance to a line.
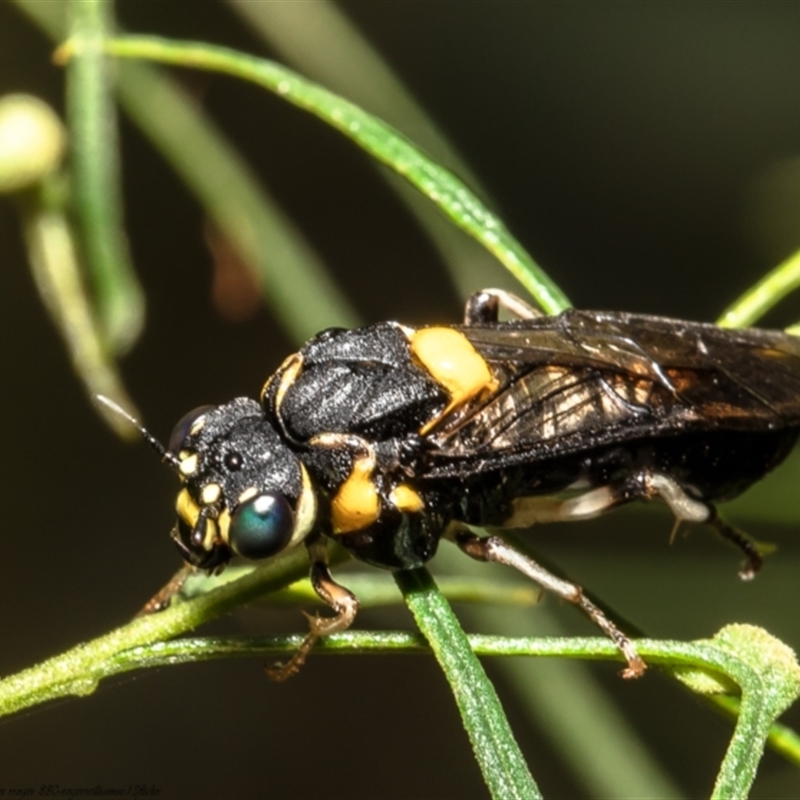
pixel 452 361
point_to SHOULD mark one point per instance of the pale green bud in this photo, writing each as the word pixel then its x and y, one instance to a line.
pixel 32 141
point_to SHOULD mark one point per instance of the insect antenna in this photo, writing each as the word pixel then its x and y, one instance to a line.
pixel 166 456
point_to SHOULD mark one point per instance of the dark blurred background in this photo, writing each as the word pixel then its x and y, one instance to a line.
pixel 647 154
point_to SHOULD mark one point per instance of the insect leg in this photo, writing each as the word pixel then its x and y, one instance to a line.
pixel 493 548
pixel 643 484
pixel 753 553
pixel 688 509
pixel 340 599
pixel 685 508
pixel 528 511
pixel 484 306
pixel 163 597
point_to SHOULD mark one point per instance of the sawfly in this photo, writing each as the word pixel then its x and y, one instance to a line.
pixel 389 438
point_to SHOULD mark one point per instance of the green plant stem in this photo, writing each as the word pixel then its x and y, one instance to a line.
pixel 78 671
pixel 140 645
pixel 493 743
pixel 374 136
pixel 95 172
pixel 565 699
pixel 761 297
pixel 769 676
pixel 291 275
pixel 294 279
pixel 375 589
pixel 782 739
pixel 751 714
pixel 320 41
pixel 54 264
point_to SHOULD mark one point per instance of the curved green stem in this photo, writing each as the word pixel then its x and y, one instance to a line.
pixel 95 172
pixel 78 671
pixel 766 670
pixel 377 138
pixel 321 42
pixel 761 297
pixel 56 269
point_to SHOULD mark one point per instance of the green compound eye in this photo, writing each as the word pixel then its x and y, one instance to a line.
pixel 261 526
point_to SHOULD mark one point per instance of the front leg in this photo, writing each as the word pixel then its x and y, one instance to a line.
pixel 162 599
pixel 341 600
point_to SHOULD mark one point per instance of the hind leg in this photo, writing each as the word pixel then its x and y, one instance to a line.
pixel 528 511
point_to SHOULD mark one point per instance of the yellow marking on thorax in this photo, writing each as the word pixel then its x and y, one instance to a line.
pixel 288 371
pixel 404 498
pixel 357 503
pixel 452 361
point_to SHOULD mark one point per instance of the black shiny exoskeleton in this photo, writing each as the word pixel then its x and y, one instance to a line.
pixel 388 438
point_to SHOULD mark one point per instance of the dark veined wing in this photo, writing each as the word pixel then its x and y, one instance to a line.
pixel 584 379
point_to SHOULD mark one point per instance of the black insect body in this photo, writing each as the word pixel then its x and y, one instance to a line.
pixel 388 438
